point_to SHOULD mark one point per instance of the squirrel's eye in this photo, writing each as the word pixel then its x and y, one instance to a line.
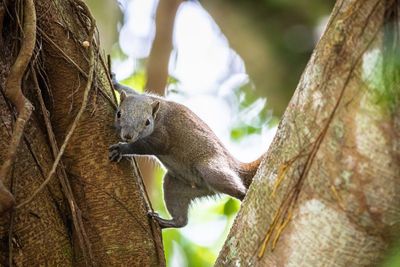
pixel 147 122
pixel 119 114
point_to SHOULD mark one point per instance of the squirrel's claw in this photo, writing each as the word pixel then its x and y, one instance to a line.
pixel 115 153
pixel 113 147
pixel 115 157
pixel 163 223
pixel 152 214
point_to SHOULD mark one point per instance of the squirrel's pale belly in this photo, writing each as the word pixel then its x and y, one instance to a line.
pixel 182 171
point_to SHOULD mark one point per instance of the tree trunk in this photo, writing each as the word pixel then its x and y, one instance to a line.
pixel 92 212
pixel 327 193
pixel 157 65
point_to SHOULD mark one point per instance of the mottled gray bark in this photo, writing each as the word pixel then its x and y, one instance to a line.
pixel 327 193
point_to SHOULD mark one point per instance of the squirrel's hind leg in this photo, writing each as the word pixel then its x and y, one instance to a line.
pixel 223 180
pixel 177 197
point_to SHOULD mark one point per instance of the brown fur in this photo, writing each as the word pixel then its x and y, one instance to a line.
pixel 248 170
pixel 197 162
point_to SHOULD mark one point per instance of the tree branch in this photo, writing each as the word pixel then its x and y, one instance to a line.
pixel 157 66
pixel 2 11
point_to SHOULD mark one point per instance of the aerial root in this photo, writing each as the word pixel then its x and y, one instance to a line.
pixel 13 92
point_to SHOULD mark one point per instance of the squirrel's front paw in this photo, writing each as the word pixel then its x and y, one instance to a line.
pixel 114 152
pixel 163 223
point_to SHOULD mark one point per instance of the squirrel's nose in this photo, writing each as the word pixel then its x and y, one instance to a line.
pixel 127 137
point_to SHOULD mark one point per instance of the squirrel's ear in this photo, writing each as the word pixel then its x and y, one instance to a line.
pixel 122 96
pixel 155 106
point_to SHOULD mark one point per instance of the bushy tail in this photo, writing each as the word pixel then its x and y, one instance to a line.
pixel 248 170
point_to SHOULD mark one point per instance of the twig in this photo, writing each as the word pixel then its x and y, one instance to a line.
pixel 108 98
pixel 282 226
pixel 268 235
pixel 13 92
pixel 109 63
pixel 7 200
pixel 281 174
pixel 10 239
pixel 2 11
pixel 155 227
pixel 109 77
pixel 142 187
pixel 66 57
pixel 116 199
pixel 74 124
pixel 108 74
pixel 11 225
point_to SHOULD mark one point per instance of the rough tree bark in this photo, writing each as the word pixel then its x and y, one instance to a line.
pixel 92 212
pixel 327 193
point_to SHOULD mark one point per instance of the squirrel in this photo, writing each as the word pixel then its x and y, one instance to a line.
pixel 197 163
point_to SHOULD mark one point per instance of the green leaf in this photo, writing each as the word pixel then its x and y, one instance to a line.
pixel 243 130
pixel 231 207
pixel 137 81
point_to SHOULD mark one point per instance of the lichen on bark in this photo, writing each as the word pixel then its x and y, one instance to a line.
pixel 327 192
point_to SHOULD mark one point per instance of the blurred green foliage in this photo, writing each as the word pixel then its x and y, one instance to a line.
pixel 390 93
pixel 137 80
pixel 275 39
pixel 244 130
pixel 381 72
pixel 393 257
pixel 246 125
pixel 393 261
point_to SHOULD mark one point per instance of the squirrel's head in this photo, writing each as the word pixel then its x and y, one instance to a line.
pixel 135 116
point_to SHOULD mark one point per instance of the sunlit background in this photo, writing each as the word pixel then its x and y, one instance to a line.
pixel 236 64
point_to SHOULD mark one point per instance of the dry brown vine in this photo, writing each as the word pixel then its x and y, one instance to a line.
pixel 14 93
